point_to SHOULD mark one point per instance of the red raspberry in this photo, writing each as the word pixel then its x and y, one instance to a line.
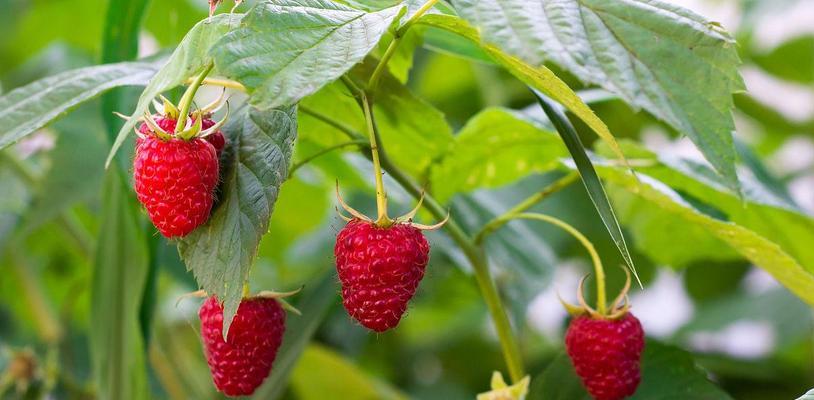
pixel 240 364
pixel 380 269
pixel 175 181
pixel 217 138
pixel 606 354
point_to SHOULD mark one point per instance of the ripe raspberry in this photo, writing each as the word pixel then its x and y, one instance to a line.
pixel 217 138
pixel 175 181
pixel 380 269
pixel 606 354
pixel 242 363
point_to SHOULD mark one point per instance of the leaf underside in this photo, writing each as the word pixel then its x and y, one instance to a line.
pixel 665 59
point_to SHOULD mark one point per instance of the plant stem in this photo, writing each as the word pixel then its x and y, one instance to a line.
pixel 189 95
pixel 381 195
pixel 476 257
pixel 601 300
pixel 394 44
pixel 529 202
pixel 324 151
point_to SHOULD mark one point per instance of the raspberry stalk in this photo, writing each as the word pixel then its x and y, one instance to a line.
pixel 189 95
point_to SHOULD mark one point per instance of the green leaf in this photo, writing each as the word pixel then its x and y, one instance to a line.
pixel 413 132
pixel 75 169
pixel 314 305
pixel 120 43
pixel 539 78
pixel 589 178
pixel 120 270
pixel 188 59
pixel 673 63
pixel 668 373
pixel 324 374
pixel 494 148
pixel 755 232
pixel 221 251
pixel 792 61
pixel 28 108
pixel 287 49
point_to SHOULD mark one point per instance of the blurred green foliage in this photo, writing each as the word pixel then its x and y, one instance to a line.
pixel 51 214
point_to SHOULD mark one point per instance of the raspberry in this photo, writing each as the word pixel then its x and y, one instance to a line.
pixel 241 363
pixel 380 269
pixel 217 139
pixel 606 354
pixel 175 181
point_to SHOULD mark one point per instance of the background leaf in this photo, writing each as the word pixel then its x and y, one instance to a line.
pixel 287 49
pixel 672 62
pixel 589 178
pixel 28 108
pixel 494 148
pixel 323 374
pixel 221 251
pixel 756 248
pixel 120 270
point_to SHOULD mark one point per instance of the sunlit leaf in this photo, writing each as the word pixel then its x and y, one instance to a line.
pixel 666 59
pixel 495 148
pixel 321 374
pixel 285 50
pixel 28 108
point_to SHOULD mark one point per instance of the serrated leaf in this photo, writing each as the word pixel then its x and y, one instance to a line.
pixel 673 63
pixel 796 274
pixel 668 373
pixel 589 178
pixel 287 49
pixel 221 251
pixel 494 148
pixel 28 108
pixel 539 78
pixel 314 305
pixel 189 58
pixel 413 131
pixel 120 271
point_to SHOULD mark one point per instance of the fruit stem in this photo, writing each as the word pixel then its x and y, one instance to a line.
pixel 227 83
pixel 526 204
pixel 189 95
pixel 382 219
pixel 394 44
pixel 476 257
pixel 601 300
